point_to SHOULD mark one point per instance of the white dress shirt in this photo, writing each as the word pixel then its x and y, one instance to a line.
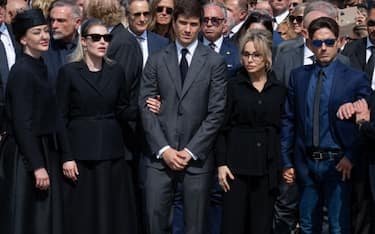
pixel 142 41
pixel 8 45
pixel 217 43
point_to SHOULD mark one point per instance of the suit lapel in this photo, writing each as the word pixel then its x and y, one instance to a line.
pixel 197 63
pixel 339 70
pixel 83 71
pixel 304 78
pixel 360 54
pixel 171 61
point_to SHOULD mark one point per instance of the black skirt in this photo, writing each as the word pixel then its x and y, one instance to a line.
pixel 24 208
pixel 101 201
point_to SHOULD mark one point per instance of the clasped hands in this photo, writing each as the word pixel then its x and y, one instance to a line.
pixel 176 160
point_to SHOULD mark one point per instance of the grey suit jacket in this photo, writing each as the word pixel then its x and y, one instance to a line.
pixel 190 116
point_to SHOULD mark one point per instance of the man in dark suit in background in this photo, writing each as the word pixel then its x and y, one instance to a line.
pixel 65 19
pixel 214 18
pixel 138 14
pixel 361 57
pixel 190 79
pixel 8 46
pixel 318 148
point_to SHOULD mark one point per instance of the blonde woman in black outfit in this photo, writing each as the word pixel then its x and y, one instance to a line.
pixel 94 99
pixel 248 147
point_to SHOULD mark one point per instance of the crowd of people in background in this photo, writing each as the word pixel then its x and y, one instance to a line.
pixel 187 116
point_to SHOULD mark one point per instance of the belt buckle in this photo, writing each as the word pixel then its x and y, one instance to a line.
pixel 318 155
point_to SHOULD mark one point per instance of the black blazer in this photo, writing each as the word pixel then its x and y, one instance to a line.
pixel 125 50
pixel 31 111
pixel 92 110
pixel 356 51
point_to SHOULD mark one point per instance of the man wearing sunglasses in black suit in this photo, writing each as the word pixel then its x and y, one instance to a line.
pixel 214 18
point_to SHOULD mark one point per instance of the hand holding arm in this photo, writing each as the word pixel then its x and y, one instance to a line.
pixel 345 111
pixel 345 167
pixel 289 175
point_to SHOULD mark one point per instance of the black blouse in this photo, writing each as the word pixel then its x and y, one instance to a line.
pixel 249 140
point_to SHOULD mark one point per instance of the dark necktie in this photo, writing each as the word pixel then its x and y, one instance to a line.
pixel 4 69
pixel 369 68
pixel 316 114
pixel 212 45
pixel 184 66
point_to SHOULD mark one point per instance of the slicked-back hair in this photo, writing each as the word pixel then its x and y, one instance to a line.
pixel 322 6
pixel 188 8
pixel 323 22
pixel 219 5
pixel 76 12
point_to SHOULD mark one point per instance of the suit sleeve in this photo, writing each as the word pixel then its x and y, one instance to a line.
pixel 126 108
pixel 22 96
pixel 288 126
pixel 202 141
pixel 149 88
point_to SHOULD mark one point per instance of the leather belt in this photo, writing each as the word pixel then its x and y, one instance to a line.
pixel 324 154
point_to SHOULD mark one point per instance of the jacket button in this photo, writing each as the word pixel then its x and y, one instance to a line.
pixel 259 144
pixel 259 102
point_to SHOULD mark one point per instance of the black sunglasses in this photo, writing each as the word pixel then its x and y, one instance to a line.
pixel 215 21
pixel 97 37
pixel 371 23
pixel 327 42
pixel 297 18
pixel 168 10
pixel 138 14
pixel 293 4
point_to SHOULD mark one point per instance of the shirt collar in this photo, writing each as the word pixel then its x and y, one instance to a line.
pixel 218 42
pixel 191 48
pixel 3 29
pixel 307 53
pixel 281 17
pixel 328 70
pixel 237 27
pixel 143 35
pixel 369 43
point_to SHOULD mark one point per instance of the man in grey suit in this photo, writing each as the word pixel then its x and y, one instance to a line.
pixel 189 77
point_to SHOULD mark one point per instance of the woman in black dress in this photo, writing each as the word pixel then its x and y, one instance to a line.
pixel 93 96
pixel 248 146
pixel 35 140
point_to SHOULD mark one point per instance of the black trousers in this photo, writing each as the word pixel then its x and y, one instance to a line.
pixel 286 208
pixel 248 206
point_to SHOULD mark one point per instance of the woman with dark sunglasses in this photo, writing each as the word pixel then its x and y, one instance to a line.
pixel 94 100
pixel 34 143
pixel 161 21
pixel 296 18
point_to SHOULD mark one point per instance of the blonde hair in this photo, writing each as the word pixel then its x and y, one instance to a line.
pixel 262 40
pixel 44 5
pixel 110 12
